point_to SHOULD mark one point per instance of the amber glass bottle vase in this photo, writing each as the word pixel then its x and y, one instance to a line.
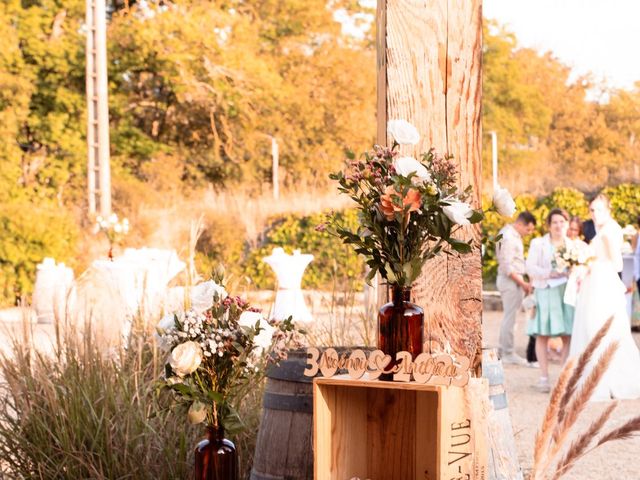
pixel 216 457
pixel 400 326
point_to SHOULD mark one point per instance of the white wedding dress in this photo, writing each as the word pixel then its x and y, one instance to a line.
pixel 601 295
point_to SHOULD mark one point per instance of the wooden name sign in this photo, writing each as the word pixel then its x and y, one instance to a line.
pixel 434 369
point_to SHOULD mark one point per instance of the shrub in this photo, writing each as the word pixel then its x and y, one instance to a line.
pixel 333 261
pixel 625 203
pixel 28 233
pixel 222 241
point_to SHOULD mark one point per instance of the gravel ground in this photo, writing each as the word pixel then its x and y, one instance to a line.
pixel 616 460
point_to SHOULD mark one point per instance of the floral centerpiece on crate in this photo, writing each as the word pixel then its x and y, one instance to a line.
pixel 114 229
pixel 409 211
pixel 218 349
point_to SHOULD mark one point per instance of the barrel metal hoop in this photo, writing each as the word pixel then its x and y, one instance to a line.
pixel 289 371
pixel 288 402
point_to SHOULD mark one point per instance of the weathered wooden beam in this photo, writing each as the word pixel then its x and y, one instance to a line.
pixel 429 73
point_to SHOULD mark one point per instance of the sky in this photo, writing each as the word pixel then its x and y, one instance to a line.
pixel 597 36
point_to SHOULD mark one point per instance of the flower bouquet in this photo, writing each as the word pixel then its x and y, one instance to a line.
pixel 218 348
pixel 573 258
pixel 569 256
pixel 409 211
pixel 114 229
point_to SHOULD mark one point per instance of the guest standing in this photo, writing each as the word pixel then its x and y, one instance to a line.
pixel 588 230
pixel 511 282
pixel 553 317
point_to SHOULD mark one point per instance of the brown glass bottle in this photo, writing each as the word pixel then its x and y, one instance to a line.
pixel 216 457
pixel 400 327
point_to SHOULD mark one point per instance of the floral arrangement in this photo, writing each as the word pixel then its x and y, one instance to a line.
pixel 217 349
pixel 409 210
pixel 114 229
pixel 570 256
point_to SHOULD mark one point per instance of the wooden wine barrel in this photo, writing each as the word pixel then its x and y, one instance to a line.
pixel 503 457
pixel 284 448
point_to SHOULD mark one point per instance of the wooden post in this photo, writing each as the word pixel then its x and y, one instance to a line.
pixel 429 73
pixel 98 166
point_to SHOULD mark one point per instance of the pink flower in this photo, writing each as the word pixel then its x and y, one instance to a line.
pixel 412 199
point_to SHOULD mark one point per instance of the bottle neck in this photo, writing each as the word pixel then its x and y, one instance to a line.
pixel 400 294
pixel 215 433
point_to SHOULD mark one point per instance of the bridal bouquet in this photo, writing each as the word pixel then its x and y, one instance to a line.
pixel 570 256
pixel 217 349
pixel 408 209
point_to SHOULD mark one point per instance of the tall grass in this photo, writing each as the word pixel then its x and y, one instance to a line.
pixel 168 226
pixel 83 413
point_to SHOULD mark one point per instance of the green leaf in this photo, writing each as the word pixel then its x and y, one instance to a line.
pixel 458 246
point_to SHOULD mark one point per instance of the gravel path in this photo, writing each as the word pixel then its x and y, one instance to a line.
pixel 617 460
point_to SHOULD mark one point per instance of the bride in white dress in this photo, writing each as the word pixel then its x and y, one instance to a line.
pixel 601 295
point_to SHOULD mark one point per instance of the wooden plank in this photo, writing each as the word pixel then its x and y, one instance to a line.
pixel 427 414
pixel 323 405
pixel 349 434
pixel 462 432
pixel 391 430
pixel 345 380
pixel 432 76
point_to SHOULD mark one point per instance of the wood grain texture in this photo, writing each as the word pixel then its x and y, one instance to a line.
pixel 284 442
pixel 384 430
pixel 391 432
pixel 432 78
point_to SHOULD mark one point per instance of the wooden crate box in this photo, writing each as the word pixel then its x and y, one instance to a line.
pixel 398 431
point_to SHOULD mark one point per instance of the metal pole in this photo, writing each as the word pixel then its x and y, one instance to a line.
pixel 494 155
pixel 275 162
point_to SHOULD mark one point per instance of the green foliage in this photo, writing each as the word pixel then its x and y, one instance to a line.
pixel 223 241
pixel 333 261
pixel 549 133
pixel 30 234
pixel 625 203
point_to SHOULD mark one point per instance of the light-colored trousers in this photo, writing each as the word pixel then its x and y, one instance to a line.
pixel 512 296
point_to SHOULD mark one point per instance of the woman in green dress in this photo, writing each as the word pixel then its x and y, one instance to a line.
pixel 553 317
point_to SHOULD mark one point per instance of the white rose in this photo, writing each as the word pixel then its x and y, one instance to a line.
pixel 202 295
pixel 264 338
pixel 405 166
pixel 403 132
pixel 503 201
pixel 458 212
pixel 185 358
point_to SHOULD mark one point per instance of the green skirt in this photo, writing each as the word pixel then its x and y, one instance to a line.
pixel 553 317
